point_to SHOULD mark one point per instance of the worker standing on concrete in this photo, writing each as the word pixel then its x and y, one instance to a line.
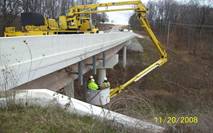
pixel 105 84
pixel 92 85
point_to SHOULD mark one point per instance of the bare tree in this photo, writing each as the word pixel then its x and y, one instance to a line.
pixel 189 23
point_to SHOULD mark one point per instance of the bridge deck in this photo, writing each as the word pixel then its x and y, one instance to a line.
pixel 23 59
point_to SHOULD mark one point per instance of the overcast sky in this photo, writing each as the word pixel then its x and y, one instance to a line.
pixel 119 17
pixel 123 17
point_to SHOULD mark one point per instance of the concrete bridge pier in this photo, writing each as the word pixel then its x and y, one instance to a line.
pixel 124 56
pixel 108 64
pixel 101 75
pixel 102 69
pixel 80 72
pixel 69 89
pixel 94 65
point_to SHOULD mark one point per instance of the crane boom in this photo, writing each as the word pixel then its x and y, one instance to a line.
pixel 110 4
pixel 77 21
pixel 141 11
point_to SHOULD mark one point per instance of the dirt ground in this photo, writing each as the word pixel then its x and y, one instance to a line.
pixel 181 88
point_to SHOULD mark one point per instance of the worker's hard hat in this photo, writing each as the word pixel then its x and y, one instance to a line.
pixel 91 77
pixel 93 80
pixel 105 79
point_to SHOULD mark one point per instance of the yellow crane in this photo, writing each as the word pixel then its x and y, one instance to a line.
pixel 77 20
pixel 141 12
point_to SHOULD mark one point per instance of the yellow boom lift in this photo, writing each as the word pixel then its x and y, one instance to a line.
pixel 141 11
pixel 78 20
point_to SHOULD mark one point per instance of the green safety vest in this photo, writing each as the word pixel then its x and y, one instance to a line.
pixel 92 86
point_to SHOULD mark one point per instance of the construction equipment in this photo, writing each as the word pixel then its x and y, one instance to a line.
pixel 141 11
pixel 78 21
pixel 36 24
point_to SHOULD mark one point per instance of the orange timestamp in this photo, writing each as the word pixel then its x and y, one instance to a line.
pixel 172 120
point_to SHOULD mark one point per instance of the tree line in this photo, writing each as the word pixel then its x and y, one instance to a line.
pixel 186 25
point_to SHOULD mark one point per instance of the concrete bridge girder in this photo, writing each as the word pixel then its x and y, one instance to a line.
pixel 27 59
pixel 64 78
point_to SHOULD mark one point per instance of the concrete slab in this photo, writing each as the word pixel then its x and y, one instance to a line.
pixel 23 59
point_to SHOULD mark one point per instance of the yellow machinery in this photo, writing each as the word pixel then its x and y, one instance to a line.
pixel 70 24
pixel 141 11
pixel 78 20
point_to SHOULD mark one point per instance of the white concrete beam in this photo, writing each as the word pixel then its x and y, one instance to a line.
pixel 61 78
pixel 23 59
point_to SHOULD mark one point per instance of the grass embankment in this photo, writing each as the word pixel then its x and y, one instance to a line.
pixel 19 119
pixel 182 87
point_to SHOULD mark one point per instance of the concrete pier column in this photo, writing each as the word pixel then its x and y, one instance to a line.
pixel 104 59
pixel 69 89
pixel 94 65
pixel 80 72
pixel 124 56
pixel 101 75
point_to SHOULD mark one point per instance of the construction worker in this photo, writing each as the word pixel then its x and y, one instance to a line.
pixel 105 84
pixel 92 84
pixel 91 77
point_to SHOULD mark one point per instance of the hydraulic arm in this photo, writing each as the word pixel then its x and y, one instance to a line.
pixel 77 20
pixel 141 12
